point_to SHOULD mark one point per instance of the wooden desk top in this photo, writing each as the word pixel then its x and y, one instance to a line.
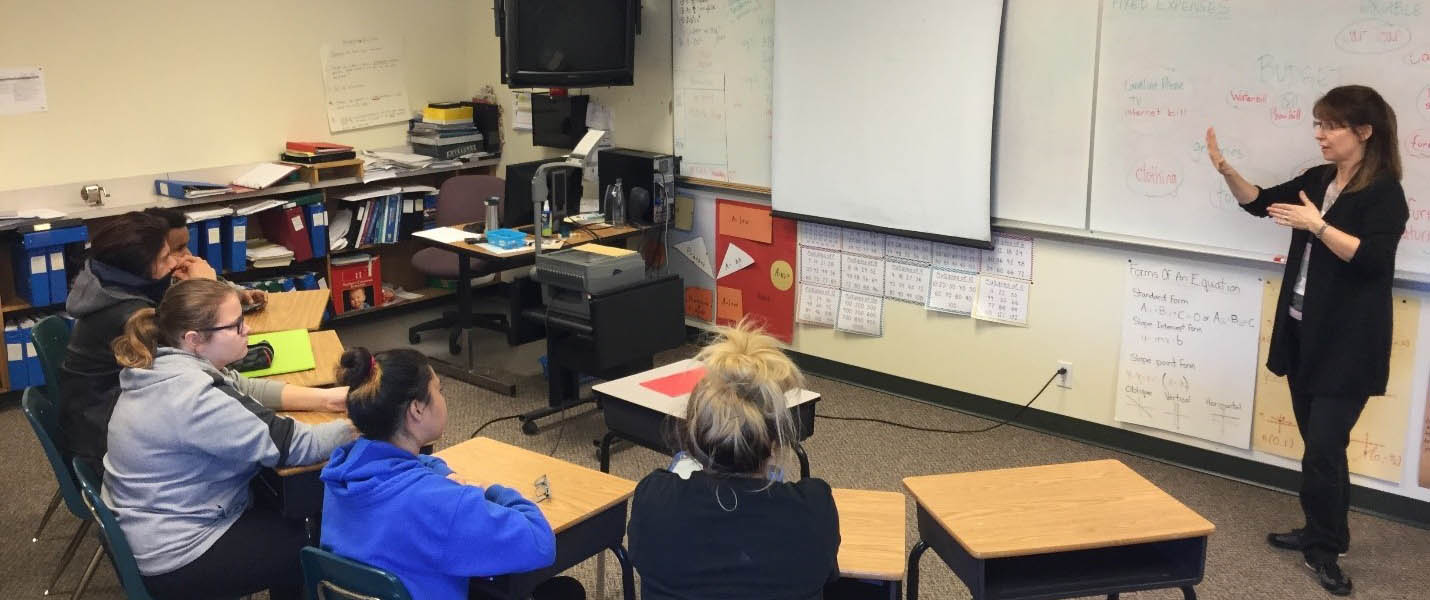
pixel 1053 508
pixel 310 418
pixel 871 533
pixel 577 492
pixel 290 310
pixel 327 351
pixel 629 389
pixel 577 237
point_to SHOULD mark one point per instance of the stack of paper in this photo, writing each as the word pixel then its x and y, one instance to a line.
pixel 257 206
pixel 209 212
pixel 339 221
pixel 263 254
pixel 264 175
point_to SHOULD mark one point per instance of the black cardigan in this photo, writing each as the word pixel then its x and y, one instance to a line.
pixel 1346 317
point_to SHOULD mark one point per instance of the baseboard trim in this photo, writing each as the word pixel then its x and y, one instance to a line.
pixel 1371 501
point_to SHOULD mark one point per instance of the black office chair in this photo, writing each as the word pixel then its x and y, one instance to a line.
pixel 462 199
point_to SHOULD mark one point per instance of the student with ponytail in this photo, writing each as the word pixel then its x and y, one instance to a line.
pixel 387 505
pixel 185 438
pixel 733 529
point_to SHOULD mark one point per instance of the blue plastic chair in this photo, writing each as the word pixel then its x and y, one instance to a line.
pixel 40 411
pixel 120 554
pixel 52 338
pixel 327 576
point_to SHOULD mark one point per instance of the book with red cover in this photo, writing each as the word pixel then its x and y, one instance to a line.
pixel 356 281
pixel 317 147
pixel 676 385
pixel 284 226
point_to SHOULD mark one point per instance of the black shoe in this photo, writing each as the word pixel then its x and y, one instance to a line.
pixel 1291 540
pixel 1330 576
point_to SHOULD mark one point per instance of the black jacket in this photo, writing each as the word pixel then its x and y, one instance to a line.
pixel 776 542
pixel 1346 317
pixel 89 377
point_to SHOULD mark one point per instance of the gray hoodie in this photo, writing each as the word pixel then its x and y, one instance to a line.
pixel 184 441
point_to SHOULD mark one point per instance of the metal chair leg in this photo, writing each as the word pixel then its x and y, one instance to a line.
pixel 88 572
pixel 69 554
pixel 912 588
pixel 1188 593
pixel 54 503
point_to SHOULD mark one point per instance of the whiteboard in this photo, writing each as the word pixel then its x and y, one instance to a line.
pixel 723 62
pixel 1253 70
pixel 1044 113
pixel 884 118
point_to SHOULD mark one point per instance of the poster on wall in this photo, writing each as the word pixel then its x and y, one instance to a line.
pixel 755 278
pixel 1377 447
pixel 365 82
pixel 1187 362
pixel 1425 447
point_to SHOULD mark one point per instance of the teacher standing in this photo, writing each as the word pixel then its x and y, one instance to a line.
pixel 1331 339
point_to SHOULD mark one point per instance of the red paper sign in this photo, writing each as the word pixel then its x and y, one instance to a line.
pixel 676 385
pixel 767 295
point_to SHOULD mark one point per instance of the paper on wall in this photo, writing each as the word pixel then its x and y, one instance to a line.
pixel 1002 300
pixel 860 313
pixel 735 259
pixel 694 249
pixel 818 305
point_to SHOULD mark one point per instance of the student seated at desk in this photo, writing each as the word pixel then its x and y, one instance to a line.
pixel 178 239
pixel 389 506
pixel 734 528
pixel 131 265
pixel 184 441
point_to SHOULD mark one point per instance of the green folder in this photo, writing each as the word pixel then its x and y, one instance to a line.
pixel 292 352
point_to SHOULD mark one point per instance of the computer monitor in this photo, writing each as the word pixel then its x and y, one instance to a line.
pixel 565 199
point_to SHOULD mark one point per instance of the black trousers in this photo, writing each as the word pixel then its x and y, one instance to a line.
pixel 1325 424
pixel 260 551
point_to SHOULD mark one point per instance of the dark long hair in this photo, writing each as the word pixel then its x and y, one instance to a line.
pixel 1356 106
pixel 130 242
pixel 381 386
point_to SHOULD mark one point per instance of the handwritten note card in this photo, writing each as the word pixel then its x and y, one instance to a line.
pixel 735 259
pixel 365 83
pixel 818 305
pixel 1002 300
pixel 861 274
pixel 1188 358
pixel 952 291
pixel 862 242
pixel 910 249
pixel 750 222
pixel 957 258
pixel 819 235
pixel 906 281
pixel 1011 256
pixel 729 303
pixel 699 302
pixel 819 266
pixel 860 313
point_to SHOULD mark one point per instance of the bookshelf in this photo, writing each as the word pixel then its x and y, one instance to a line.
pixel 396 258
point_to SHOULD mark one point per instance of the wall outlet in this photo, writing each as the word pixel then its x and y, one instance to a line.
pixel 1065 380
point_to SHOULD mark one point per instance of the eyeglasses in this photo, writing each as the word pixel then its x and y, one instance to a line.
pixel 236 326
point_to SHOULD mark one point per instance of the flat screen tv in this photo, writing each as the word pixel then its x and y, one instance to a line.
pixel 567 43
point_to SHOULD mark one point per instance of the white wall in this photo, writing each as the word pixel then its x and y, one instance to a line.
pixel 149 86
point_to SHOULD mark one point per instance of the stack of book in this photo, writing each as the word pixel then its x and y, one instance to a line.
pixel 445 131
pixel 311 153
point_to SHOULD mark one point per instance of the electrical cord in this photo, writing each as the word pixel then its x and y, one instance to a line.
pixel 1060 371
pixel 496 420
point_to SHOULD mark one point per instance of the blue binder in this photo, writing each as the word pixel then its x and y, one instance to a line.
pixel 288 284
pixel 235 243
pixel 195 247
pixel 15 357
pixel 33 368
pixel 32 276
pixel 59 284
pixel 212 232
pixel 317 228
pixel 307 281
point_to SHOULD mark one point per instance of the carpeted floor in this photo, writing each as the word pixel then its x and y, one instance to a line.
pixel 1386 560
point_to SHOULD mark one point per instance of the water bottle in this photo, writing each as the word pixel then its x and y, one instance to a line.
pixel 546 219
pixel 493 205
pixel 616 203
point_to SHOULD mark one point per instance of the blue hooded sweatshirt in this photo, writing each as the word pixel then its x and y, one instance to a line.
pixel 395 510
